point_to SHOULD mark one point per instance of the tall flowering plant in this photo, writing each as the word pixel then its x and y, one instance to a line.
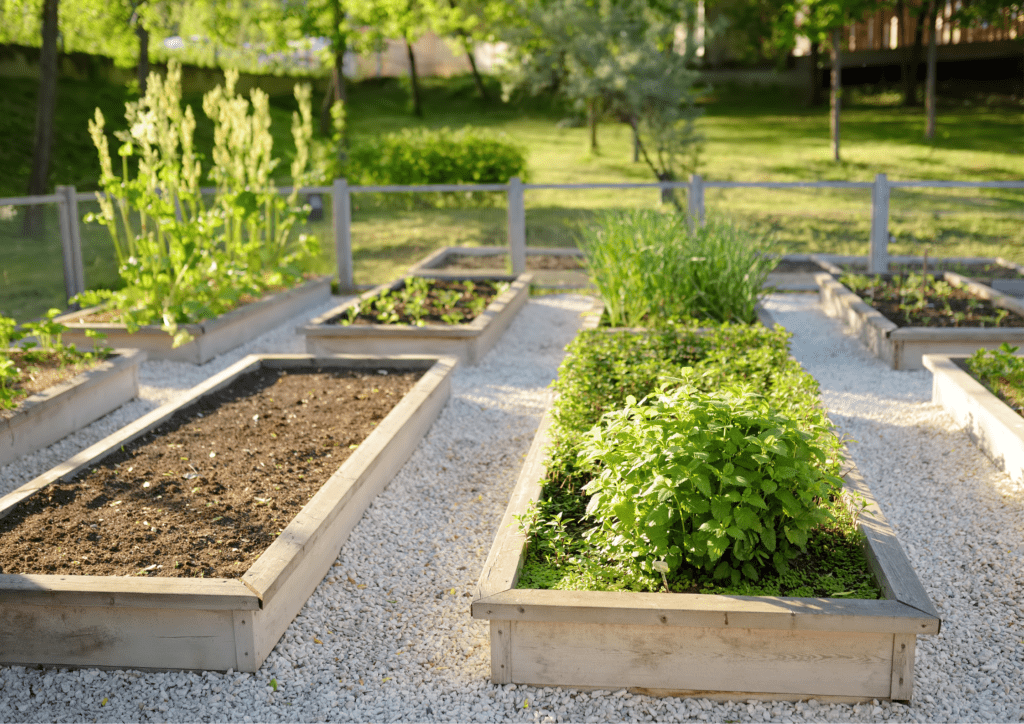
pixel 183 257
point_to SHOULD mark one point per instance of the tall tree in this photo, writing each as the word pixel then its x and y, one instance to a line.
pixel 46 107
pixel 824 21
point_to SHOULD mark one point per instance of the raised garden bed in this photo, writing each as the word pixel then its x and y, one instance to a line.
pixel 717 646
pixel 903 347
pixel 552 268
pixel 210 337
pixel 998 273
pixel 49 415
pixel 993 425
pixel 467 340
pixel 253 582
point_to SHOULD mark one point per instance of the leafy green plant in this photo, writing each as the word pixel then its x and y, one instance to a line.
pixel 1002 371
pixel 719 481
pixel 736 369
pixel 183 259
pixel 48 347
pixel 420 300
pixel 651 268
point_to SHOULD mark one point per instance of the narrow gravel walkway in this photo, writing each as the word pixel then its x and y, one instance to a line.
pixel 387 636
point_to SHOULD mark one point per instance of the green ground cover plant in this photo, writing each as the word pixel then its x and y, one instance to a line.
pixel 922 300
pixel 1002 372
pixel 651 268
pixel 21 360
pixel 419 301
pixel 697 461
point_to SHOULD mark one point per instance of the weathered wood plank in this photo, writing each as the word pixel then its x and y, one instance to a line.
pixel 214 594
pixel 692 610
pixel 886 557
pixel 903 646
pixel 128 638
pixel 617 656
pixel 501 652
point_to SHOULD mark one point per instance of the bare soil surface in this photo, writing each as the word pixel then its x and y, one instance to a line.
pixel 960 308
pixel 534 262
pixel 447 301
pixel 39 373
pixel 973 271
pixel 208 491
pixel 786 266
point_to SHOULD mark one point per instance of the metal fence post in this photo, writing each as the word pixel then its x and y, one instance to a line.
pixel 341 210
pixel 878 255
pixel 695 200
pixel 517 225
pixel 70 241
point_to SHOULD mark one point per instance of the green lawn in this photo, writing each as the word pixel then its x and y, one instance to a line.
pixel 750 135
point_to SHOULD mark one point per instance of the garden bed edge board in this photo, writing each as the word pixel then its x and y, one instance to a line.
pixel 902 348
pixel 58 411
pixel 211 337
pixel 730 647
pixel 468 342
pixel 992 424
pixel 186 623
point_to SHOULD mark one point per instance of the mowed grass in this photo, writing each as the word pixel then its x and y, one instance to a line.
pixel 751 135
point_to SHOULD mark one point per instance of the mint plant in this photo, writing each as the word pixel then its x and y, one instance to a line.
pixel 719 481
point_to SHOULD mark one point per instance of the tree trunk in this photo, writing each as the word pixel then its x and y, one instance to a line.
pixel 142 70
pixel 417 107
pixel 477 78
pixel 814 92
pixel 836 85
pixel 42 141
pixel 929 84
pixel 592 124
pixel 337 90
pixel 907 70
pixel 915 58
pixel 468 45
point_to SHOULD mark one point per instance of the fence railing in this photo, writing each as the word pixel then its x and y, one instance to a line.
pixel 340 193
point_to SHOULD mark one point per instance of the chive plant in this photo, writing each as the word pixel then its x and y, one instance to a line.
pixel 651 268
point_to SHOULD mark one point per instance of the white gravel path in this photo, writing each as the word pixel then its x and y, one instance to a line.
pixel 393 616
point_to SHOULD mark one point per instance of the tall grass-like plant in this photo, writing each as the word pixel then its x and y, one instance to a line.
pixel 184 259
pixel 651 268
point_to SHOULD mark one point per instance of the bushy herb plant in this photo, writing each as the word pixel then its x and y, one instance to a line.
pixel 651 268
pixel 719 481
pixel 608 375
pixel 182 258
pixel 442 156
pixel 48 347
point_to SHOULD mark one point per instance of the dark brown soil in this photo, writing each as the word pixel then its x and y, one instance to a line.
pixel 786 266
pixel 208 491
pixel 447 301
pixel 938 311
pixel 974 271
pixel 40 371
pixel 534 262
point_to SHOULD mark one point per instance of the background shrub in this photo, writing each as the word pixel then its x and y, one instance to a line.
pixel 441 156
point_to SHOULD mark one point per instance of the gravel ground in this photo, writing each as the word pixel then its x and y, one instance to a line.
pixel 393 616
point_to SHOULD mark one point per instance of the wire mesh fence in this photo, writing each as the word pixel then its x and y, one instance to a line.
pixel 32 267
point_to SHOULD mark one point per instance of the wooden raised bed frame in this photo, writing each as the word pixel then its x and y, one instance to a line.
pixel 720 647
pixel 211 337
pixel 218 624
pixel 50 415
pixel 903 348
pixel 469 342
pixel 993 425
